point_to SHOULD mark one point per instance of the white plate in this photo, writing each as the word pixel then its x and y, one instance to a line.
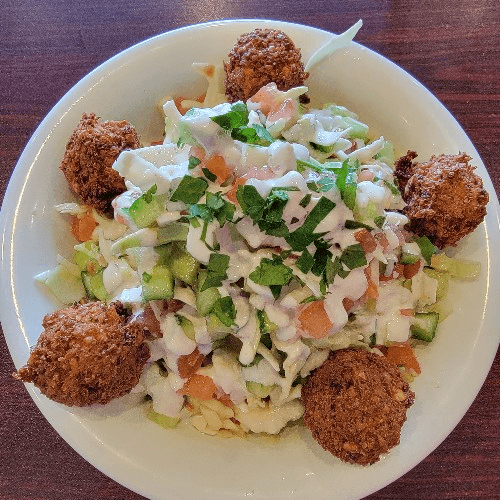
pixel 183 463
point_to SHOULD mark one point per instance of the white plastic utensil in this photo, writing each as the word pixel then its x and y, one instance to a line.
pixel 335 43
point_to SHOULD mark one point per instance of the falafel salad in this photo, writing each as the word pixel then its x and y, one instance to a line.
pixel 267 263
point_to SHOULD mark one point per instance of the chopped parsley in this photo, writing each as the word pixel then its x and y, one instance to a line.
pixel 326 184
pixel 427 249
pixel 215 207
pixel 272 273
pixel 305 261
pixel 353 256
pixel 190 190
pixel 235 122
pixel 216 271
pixel 346 182
pixel 304 235
pixel 393 188
pixel 224 309
pixel 267 212
pixel 193 162
pixel 236 117
pixel 354 224
pixel 209 175
pixel 305 201
pixel 379 221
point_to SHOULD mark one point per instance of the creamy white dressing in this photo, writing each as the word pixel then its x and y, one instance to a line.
pixel 250 336
pixel 174 338
pixel 158 165
pixel 196 247
pixel 163 390
pixel 313 137
pixel 226 373
pixel 290 179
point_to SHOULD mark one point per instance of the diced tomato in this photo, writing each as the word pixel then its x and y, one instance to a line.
pixel 314 320
pixel 223 398
pixel 267 97
pixel 371 291
pixel 403 355
pixel 231 194
pixel 365 175
pixel 366 240
pixel 286 110
pixel 198 152
pixel 406 312
pixel 189 364
pixel 82 227
pixel 383 241
pixel 218 166
pixel 409 270
pixel 199 386
pixel 348 303
pixel 384 278
pixel 178 103
pixel 398 270
pixel 261 173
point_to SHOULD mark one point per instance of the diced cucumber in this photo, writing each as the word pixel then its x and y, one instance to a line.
pixel 145 237
pixel 265 324
pixel 65 285
pixel 172 232
pixel 410 253
pixel 94 285
pixel 320 147
pixel 368 213
pixel 458 268
pixel 183 265
pixel 187 326
pixel 386 154
pixel 216 326
pixel 86 263
pixel 163 420
pixel 259 390
pixel 442 307
pixel 86 255
pixel 158 285
pixel 359 130
pixel 145 210
pixel 185 136
pixel 424 326
pixel 150 237
pixel 442 279
pixel 339 110
pixel 164 252
pixel 408 258
pixel 205 301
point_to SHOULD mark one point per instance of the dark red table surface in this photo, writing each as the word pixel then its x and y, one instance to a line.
pixel 451 46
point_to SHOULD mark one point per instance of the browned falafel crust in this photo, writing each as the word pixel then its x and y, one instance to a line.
pixel 445 197
pixel 355 405
pixel 261 57
pixel 90 153
pixel 87 354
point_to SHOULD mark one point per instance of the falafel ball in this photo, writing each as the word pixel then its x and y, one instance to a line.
pixel 445 197
pixel 90 153
pixel 87 354
pixel 261 57
pixel 355 405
